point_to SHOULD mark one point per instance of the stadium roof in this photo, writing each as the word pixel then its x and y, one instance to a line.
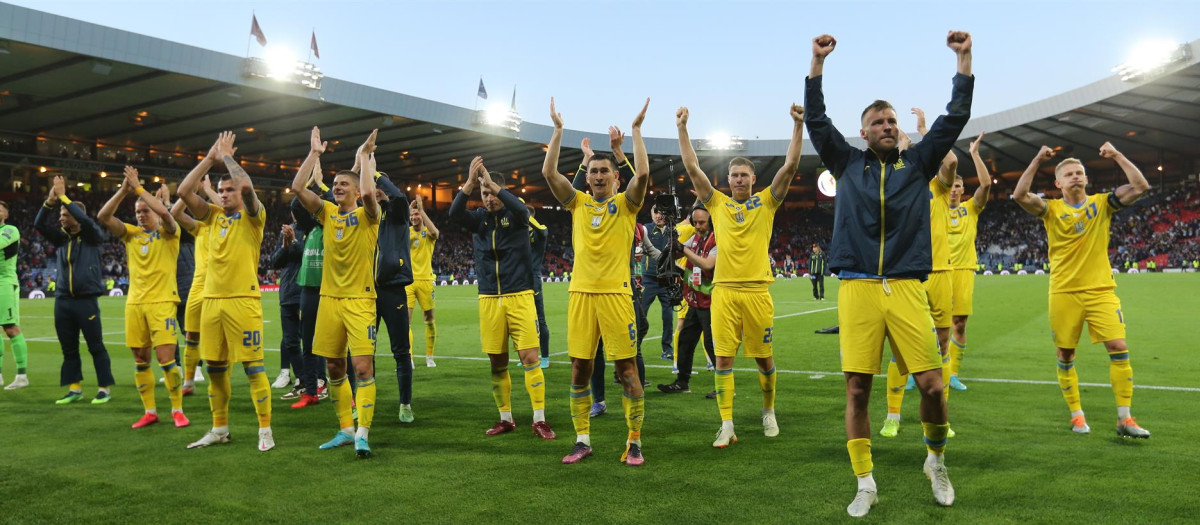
pixel 67 79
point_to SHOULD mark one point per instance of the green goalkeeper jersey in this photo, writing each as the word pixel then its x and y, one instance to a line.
pixel 10 240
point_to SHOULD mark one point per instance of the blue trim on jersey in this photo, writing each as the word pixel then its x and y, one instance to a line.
pixel 856 275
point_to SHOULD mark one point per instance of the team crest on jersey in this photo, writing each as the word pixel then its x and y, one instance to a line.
pixel 596 220
pixel 339 234
pixel 954 221
pixel 504 222
pixel 899 165
pixel 224 231
pixel 1079 227
pixel 740 216
pixel 145 249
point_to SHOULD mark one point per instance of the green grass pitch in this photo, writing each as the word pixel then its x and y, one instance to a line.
pixel 1014 459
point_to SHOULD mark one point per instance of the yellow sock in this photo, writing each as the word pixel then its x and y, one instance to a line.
pixel 75 387
pixel 218 394
pixel 535 384
pixel 410 340
pixel 502 390
pixel 675 349
pixel 635 411
pixel 1121 376
pixel 860 456
pixel 144 378
pixel 365 399
pixel 767 381
pixel 339 391
pixel 724 380
pixel 191 359
pixel 581 404
pixel 260 391
pixel 1068 380
pixel 430 337
pixel 895 387
pixel 956 356
pixel 946 377
pixel 172 380
pixel 935 436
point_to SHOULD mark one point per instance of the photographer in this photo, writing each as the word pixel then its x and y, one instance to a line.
pixel 701 253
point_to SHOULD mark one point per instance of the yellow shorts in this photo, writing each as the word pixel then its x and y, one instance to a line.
pixel 420 292
pixel 742 317
pixel 150 325
pixel 343 323
pixel 682 313
pixel 195 304
pixel 231 329
pixel 1100 308
pixel 509 315
pixel 938 288
pixel 591 316
pixel 963 291
pixel 869 312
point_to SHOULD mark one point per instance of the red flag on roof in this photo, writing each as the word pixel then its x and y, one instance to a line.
pixel 257 31
pixel 313 45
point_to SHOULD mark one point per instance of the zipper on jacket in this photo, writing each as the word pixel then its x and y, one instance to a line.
pixel 495 256
pixel 882 215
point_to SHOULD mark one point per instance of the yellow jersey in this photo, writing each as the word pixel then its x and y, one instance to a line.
pixel 350 241
pixel 200 232
pixel 601 233
pixel 939 224
pixel 964 222
pixel 1078 243
pixel 151 257
pixel 685 231
pixel 743 231
pixel 234 241
pixel 420 246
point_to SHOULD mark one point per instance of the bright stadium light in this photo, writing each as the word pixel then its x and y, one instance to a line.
pixel 281 64
pixel 1152 57
pixel 723 142
pixel 826 184
pixel 500 116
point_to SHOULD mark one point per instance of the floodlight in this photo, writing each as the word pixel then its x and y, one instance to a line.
pixel 281 64
pixel 500 116
pixel 724 142
pixel 1152 57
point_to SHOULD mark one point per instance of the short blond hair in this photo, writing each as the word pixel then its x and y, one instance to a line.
pixel 1071 160
pixel 741 161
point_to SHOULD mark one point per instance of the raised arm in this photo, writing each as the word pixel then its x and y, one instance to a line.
pixel 44 222
pixel 105 215
pixel 210 193
pixel 636 190
pixel 187 188
pixel 158 205
pixel 831 145
pixel 691 163
pixel 984 191
pixel 179 212
pixel 309 200
pixel 458 208
pixel 705 263
pixel 434 233
pixel 783 178
pixel 366 176
pixel 559 185
pixel 240 179
pixel 921 127
pixel 1029 201
pixel 948 168
pixel 1138 185
pixel 934 146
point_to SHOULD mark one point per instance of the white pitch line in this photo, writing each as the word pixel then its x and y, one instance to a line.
pixel 776 317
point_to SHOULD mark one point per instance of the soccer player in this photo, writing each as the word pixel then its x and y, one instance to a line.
pixel 151 252
pixel 537 254
pixel 309 279
pixel 231 323
pixel 195 296
pixel 700 251
pixel 1081 278
pixel 346 316
pixel 652 290
pixel 937 286
pixel 393 275
pixel 500 234
pixel 10 306
pixel 78 240
pixel 422 238
pixel 964 221
pixel 287 259
pixel 816 271
pixel 881 252
pixel 599 303
pixel 742 310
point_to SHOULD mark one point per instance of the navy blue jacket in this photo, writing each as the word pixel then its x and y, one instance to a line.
pixel 394 266
pixel 287 258
pixel 78 254
pixel 537 253
pixel 501 243
pixel 185 264
pixel 881 220
pixel 656 236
